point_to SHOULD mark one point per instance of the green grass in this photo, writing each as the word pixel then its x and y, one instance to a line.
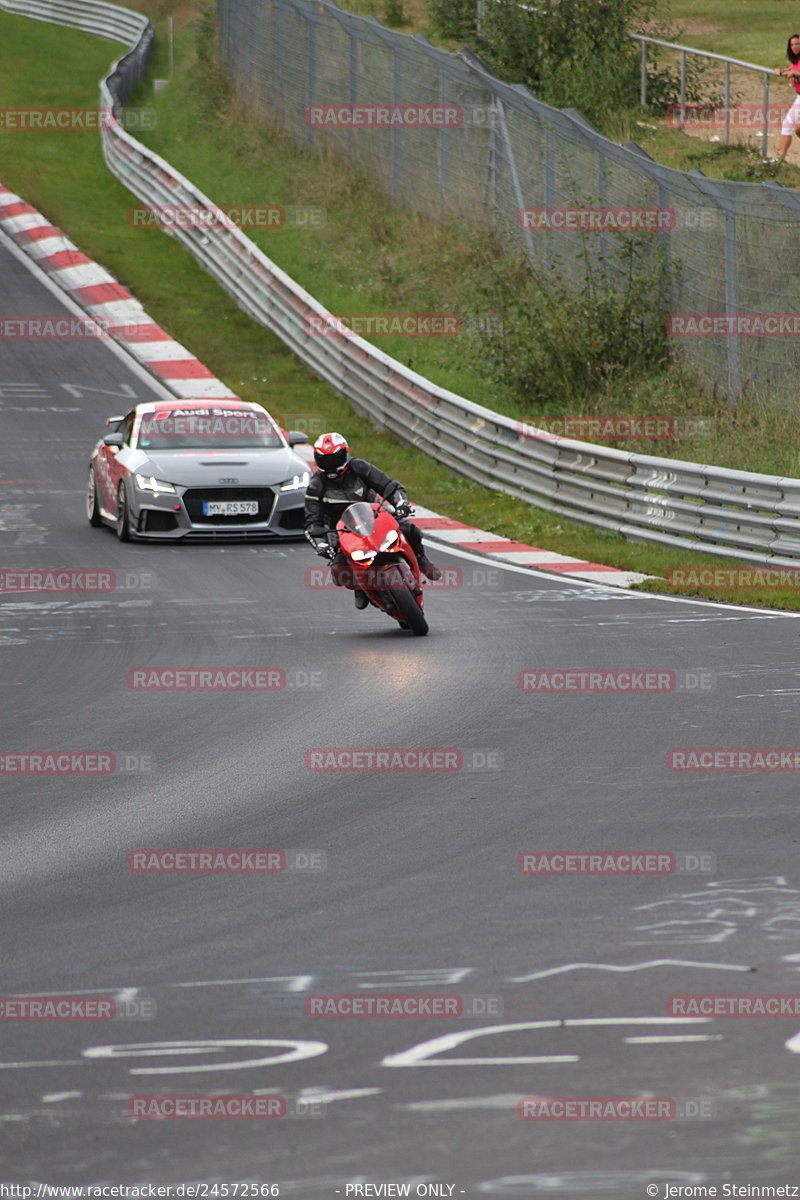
pixel 754 31
pixel 368 253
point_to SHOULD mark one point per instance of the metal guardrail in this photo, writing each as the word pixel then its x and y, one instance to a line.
pixel 685 505
pixel 729 62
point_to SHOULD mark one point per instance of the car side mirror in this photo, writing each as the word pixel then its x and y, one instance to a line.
pixel 296 438
pixel 115 440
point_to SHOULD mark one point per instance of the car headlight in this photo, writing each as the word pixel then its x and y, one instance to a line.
pixel 363 556
pixel 390 539
pixel 298 483
pixel 149 483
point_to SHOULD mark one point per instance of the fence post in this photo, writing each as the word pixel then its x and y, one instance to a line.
pixel 312 69
pixel 515 184
pixel 394 169
pixel 765 131
pixel 683 89
pixel 727 103
pixel 643 82
pixel 711 188
pixel 549 190
pixel 442 156
pixel 352 78
pixel 277 55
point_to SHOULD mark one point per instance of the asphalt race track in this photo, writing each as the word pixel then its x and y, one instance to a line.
pixel 408 882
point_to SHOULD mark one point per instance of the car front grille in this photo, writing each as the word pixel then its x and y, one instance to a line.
pixel 193 498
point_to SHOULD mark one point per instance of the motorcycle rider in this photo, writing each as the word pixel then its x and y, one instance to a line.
pixel 341 481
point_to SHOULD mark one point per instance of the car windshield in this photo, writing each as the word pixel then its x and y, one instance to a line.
pixel 359 518
pixel 207 429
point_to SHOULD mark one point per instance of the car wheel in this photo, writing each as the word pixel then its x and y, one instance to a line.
pixel 92 507
pixel 123 516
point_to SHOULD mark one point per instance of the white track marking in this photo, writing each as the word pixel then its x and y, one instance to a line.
pixel 658 597
pixel 297 983
pixel 295 1051
pixel 668 1038
pixel 322 1095
pixel 420 1055
pixel 501 1101
pixel 55 1062
pixel 642 966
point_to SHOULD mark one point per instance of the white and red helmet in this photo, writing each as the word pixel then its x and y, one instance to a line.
pixel 332 455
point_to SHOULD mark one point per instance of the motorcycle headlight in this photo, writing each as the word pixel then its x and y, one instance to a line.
pixel 363 556
pixel 298 483
pixel 149 483
pixel 390 539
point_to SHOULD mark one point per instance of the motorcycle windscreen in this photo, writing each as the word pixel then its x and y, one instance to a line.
pixel 359 518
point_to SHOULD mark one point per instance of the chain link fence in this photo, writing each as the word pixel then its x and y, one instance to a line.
pixel 544 179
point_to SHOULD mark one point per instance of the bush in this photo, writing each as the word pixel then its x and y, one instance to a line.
pixel 553 348
pixel 575 53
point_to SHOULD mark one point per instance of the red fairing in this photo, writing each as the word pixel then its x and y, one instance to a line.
pixel 371 530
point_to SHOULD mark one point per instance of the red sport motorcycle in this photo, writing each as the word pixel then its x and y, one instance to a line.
pixel 382 562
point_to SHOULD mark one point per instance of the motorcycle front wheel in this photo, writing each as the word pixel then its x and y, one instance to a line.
pixel 406 604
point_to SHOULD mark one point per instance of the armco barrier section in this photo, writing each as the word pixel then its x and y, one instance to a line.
pixel 684 505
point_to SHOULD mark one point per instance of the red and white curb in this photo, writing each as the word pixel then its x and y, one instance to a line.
pixel 99 294
pixel 105 300
pixel 480 541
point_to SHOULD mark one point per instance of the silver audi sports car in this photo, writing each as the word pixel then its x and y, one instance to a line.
pixel 200 470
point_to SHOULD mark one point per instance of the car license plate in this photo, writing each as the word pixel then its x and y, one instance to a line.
pixel 230 508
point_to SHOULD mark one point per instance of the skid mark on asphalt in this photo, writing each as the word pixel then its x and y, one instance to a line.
pixel 723 909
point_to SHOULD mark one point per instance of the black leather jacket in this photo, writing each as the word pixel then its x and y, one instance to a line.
pixel 326 499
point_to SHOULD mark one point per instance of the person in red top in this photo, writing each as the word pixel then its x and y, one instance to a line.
pixel 792 118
